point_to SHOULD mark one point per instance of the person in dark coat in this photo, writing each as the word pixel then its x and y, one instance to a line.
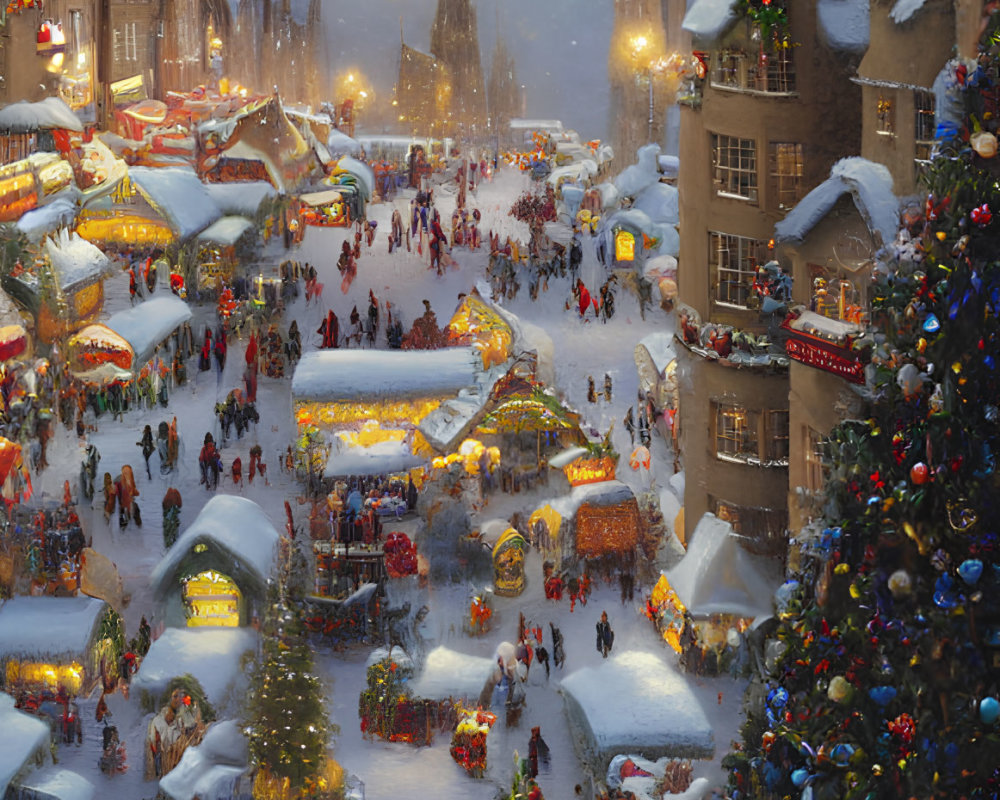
pixel 542 656
pixel 146 443
pixel 558 654
pixel 538 753
pixel 605 636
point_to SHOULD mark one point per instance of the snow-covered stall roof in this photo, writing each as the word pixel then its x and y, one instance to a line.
pixel 660 346
pixel 904 9
pixel 525 124
pixel 211 655
pixel 717 576
pixel 315 199
pixel 22 736
pixel 604 493
pixel 710 19
pixel 177 195
pixel 340 144
pixel 635 178
pixel 660 202
pixel 448 673
pixel 237 526
pixel 56 782
pixel 870 186
pixel 225 230
pixel 211 768
pixel 47 114
pixel 240 198
pixel 382 458
pixel 60 213
pixel 844 24
pixel 349 375
pixel 654 712
pixel 48 627
pixel 75 261
pixel 147 324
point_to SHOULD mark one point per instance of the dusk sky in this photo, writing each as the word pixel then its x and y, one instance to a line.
pixel 561 47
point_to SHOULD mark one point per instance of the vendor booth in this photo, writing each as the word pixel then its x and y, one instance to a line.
pixel 655 713
pixel 31 182
pixel 127 340
pixel 718 590
pixel 325 209
pixel 53 783
pixel 24 739
pixel 595 521
pixel 494 547
pixel 52 642
pixel 216 573
pixel 219 250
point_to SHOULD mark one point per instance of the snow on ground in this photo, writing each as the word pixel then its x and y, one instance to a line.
pixel 582 349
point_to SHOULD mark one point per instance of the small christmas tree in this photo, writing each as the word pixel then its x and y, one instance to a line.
pixel 886 685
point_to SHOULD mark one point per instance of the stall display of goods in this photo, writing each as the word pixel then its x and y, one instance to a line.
pixel 468 742
pixel 387 710
pixel 400 555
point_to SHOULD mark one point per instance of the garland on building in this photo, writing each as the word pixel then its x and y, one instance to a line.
pixel 888 675
pixel 769 16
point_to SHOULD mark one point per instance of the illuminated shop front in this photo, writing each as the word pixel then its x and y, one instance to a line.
pixel 211 598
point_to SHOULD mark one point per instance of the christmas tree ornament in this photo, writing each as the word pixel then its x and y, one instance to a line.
pixel 984 144
pixel 799 777
pixel 970 571
pixel 882 695
pixel 919 473
pixel 931 324
pixel 989 710
pixel 840 689
pixel 900 583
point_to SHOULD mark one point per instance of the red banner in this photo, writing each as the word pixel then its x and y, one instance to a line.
pixel 829 358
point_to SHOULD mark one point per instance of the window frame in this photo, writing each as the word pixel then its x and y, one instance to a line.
pixel 755 444
pixel 885 115
pixel 815 466
pixel 749 255
pixel 727 178
pixel 785 196
pixel 736 68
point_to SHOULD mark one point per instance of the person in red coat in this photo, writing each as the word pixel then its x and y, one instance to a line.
pixel 330 331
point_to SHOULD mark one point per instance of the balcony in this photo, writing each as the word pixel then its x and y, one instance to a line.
pixel 762 72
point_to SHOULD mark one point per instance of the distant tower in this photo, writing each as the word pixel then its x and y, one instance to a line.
pixel 455 41
pixel 637 40
pixel 503 94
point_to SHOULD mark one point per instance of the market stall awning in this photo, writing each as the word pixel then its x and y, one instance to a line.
pixel 52 113
pixel 75 262
pixel 178 196
pixel 146 325
pixel 539 412
pixel 317 199
pixel 243 198
pixel 384 458
pixel 225 231
pixel 48 627
pixel 360 170
pixel 23 737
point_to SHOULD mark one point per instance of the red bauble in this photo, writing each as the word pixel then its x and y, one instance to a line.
pixel 919 473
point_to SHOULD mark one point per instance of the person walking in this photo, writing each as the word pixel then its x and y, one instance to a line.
pixel 148 448
pixel 558 654
pixel 605 636
pixel 538 753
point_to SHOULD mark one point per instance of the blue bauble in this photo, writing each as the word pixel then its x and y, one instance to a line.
pixel 777 697
pixel 970 571
pixel 989 710
pixel 882 695
pixel 931 324
pixel 800 776
pixel 841 753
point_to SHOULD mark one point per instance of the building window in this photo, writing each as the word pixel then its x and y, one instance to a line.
pixel 752 68
pixel 813 447
pixel 734 167
pixel 837 296
pixel 923 123
pixel 751 437
pixel 786 170
pixel 885 119
pixel 760 530
pixel 734 261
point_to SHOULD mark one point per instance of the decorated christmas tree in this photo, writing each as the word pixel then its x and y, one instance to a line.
pixel 287 723
pixel 883 682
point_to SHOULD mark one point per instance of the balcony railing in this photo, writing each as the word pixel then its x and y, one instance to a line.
pixel 764 72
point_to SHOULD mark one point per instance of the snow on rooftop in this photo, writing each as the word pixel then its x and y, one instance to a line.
pixel 75 261
pixel 345 375
pixel 653 712
pixel 870 186
pixel 235 524
pixel 60 213
pixel 147 324
pixel 211 655
pixel 448 673
pixel 47 114
pixel 904 9
pixel 48 627
pixel 212 768
pixel 660 202
pixel 717 576
pixel 240 198
pixel 339 143
pixel 844 24
pixel 660 346
pixel 632 180
pixel 225 230
pixel 178 195
pixel 709 19
pixel 603 493
pixel 22 736
pixel 57 782
pixel 382 458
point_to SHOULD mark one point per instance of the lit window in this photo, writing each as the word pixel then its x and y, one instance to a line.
pixel 734 167
pixel 760 530
pixel 777 435
pixel 812 446
pixel 736 433
pixel 733 261
pixel 752 67
pixel 885 116
pixel 786 170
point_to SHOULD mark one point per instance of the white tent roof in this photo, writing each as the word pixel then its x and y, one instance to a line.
pixel 25 117
pixel 179 196
pixel 50 627
pixel 320 198
pixel 717 576
pixel 378 459
pixel 211 655
pixel 237 526
pixel 339 143
pixel 448 673
pixel 76 261
pixel 240 198
pixel 225 230
pixel 660 346
pixel 709 19
pixel 60 213
pixel 212 768
pixel 870 187
pixel 147 324
pixel 654 712
pixel 56 782
pixel 603 493
pixel 348 375
pixel 21 737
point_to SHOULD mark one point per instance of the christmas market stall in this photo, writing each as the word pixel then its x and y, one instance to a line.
pixel 31 182
pixel 497 543
pixel 48 643
pixel 127 340
pixel 655 713
pixel 597 523
pixel 63 287
pixel 222 247
pixel 27 128
pixel 216 573
pixel 51 783
pixel 25 741
pixel 704 605
pixel 151 210
pixel 656 363
pixel 325 209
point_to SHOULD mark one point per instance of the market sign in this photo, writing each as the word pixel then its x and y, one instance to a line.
pixel 590 470
pixel 624 246
pixel 825 344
